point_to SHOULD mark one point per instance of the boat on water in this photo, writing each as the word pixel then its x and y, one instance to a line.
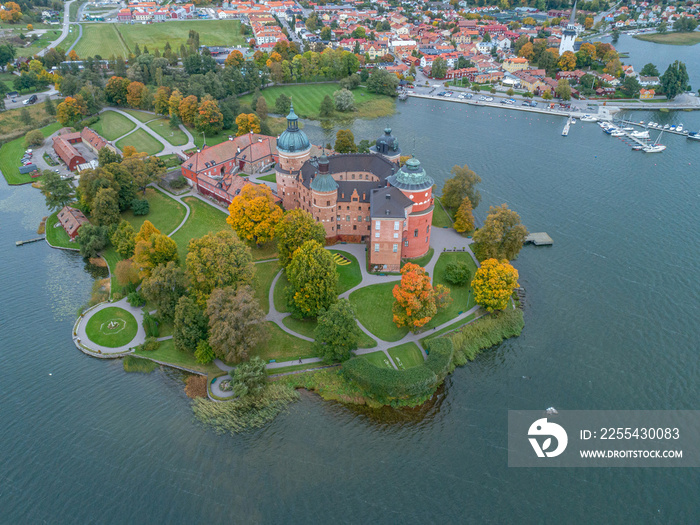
pixel 694 135
pixel 573 121
pixel 656 147
pixel 679 128
pixel 666 126
pixel 640 134
pixel 637 147
pixel 588 118
pixel 628 129
pixel 617 133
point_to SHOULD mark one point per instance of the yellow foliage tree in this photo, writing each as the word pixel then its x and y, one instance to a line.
pixel 464 219
pixel 147 229
pixel 493 284
pixel 234 59
pixel 71 110
pixel 188 109
pixel 246 123
pixel 158 249
pixel 253 214
pixel 567 62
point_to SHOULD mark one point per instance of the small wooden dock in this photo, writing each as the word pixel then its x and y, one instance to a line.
pixel 37 239
pixel 539 239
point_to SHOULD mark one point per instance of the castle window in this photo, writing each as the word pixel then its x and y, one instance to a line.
pixel 427 229
pixel 366 176
pixel 328 203
pixel 359 218
pixel 376 235
pixel 354 227
pixel 314 201
pixel 396 236
pixel 338 218
pixel 354 199
pixel 377 225
pixel 406 243
pixel 353 176
pixel 347 217
pixel 396 225
pixel 415 232
pixel 376 247
pixel 396 248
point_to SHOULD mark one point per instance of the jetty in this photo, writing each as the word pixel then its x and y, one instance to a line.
pixel 20 243
pixel 539 239
pixel 565 131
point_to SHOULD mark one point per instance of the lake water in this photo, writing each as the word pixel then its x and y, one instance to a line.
pixel 611 323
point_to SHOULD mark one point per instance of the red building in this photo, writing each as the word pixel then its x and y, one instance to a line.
pixel 71 219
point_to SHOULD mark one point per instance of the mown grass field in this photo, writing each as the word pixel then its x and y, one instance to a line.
pixel 406 355
pixel 378 359
pixel 462 299
pixel 441 218
pixel 349 275
pixel 282 347
pixel 143 116
pixel 112 125
pixel 169 354
pixel 119 40
pixel 264 274
pixel 100 331
pixel 176 137
pixel 673 38
pixel 307 100
pixel 11 156
pixel 372 305
pixel 142 141
pixel 307 327
pixel 57 236
pixel 203 219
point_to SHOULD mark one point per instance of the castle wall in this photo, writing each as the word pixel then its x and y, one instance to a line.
pixel 384 244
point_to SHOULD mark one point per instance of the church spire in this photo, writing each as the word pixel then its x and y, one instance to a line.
pixel 572 20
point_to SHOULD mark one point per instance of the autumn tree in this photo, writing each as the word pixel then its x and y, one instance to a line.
pixel 174 103
pixel 462 185
pixel 73 55
pixel 127 273
pixel 501 236
pixel 147 229
pixel 234 59
pixel 105 207
pixel 71 110
pixel 527 51
pixel 464 218
pixel 247 122
pixel 188 109
pixel 161 102
pixel 296 227
pixel 217 260
pixel 156 250
pixel 567 62
pixel 209 118
pixel 345 141
pixel 124 239
pixel 116 90
pixel 236 322
pixel 135 93
pixel 493 284
pixel 190 325
pixel 337 333
pixel 415 298
pixel 313 280
pixel 164 287
pixel 253 214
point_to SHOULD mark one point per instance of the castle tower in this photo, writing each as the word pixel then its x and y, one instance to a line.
pixel 294 149
pixel 568 36
pixel 324 197
pixel 388 146
pixel 417 185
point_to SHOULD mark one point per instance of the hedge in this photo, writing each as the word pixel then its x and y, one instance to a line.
pixel 485 333
pixel 440 356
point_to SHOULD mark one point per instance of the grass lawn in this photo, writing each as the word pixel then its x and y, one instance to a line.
pixel 57 236
pixel 282 347
pixel 212 140
pixel 165 213
pixel 264 274
pixel 112 327
pixel 279 297
pixel 425 340
pixel 406 355
pixel 203 219
pixel 171 160
pixel 372 306
pixel 265 251
pixel 70 39
pixel 308 326
pixel 420 261
pixel 142 141
pixel 462 300
pixel 176 137
pixel 11 156
pixel 673 38
pixel 269 178
pixel 294 368
pixel 143 116
pixel 378 359
pixel 349 275
pixel 307 100
pixel 39 44
pixel 167 353
pixel 441 219
pixel 112 125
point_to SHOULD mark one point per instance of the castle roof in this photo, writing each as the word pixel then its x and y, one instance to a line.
pixel 293 139
pixel 389 203
pixel 411 177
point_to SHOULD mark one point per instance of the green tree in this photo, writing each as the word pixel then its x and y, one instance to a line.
pixel 313 280
pixel 282 104
pixel 457 273
pixel 615 36
pixel 501 236
pixel 345 141
pixel 662 27
pixel 236 323
pixel 326 109
pixel 34 138
pixel 92 239
pixel 164 287
pixel 439 69
pixel 261 108
pixel 462 185
pixel 563 89
pixel 296 227
pixel 105 207
pixel 249 378
pixel 190 325
pixel 337 333
pixel 218 260
pixel 630 86
pixel 685 24
pixel 344 100
pixel 204 353
pixel 58 192
pixel 124 239
pixel 382 82
pixel 675 80
pixel 26 117
pixel 649 70
pixel 107 156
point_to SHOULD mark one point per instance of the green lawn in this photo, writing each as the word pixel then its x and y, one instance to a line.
pixel 673 38
pixel 378 359
pixel 171 160
pixel 280 297
pixel 39 44
pixel 425 340
pixel 307 327
pixel 349 275
pixel 372 306
pixel 265 251
pixel 143 116
pixel 169 354
pixel 165 213
pixel 70 39
pixel 57 236
pixel 441 218
pixel 282 347
pixel 11 156
pixel 420 261
pixel 212 140
pixel 142 141
pixel 203 219
pixel 119 40
pixel 406 355
pixel 462 299
pixel 307 100
pixel 269 178
pixel 112 327
pixel 264 274
pixel 176 137
pixel 112 125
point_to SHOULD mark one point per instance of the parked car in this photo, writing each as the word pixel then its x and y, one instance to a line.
pixel 489 99
pixel 31 100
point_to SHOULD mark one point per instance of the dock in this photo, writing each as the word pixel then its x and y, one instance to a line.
pixel 565 131
pixel 37 239
pixel 539 239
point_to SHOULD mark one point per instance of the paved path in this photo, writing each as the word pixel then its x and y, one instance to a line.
pixel 82 338
pixel 64 32
pixel 168 149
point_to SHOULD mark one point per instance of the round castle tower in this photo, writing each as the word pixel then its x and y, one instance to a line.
pixel 388 146
pixel 324 195
pixel 294 149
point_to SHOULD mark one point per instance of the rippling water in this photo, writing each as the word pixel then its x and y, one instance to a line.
pixel 611 323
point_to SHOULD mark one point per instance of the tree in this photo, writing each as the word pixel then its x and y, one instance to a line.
pixel 135 94
pixel 337 333
pixel 34 138
pixel 547 95
pixel 58 192
pixel 174 103
pixel 217 260
pixel 234 59
pixel 161 102
pixel 236 323
pixel 567 62
pixel 345 141
pixel 674 80
pixel 462 185
pixel 344 100
pixel 501 236
pixel 313 280
pixel 190 325
pixel 296 227
pixel 382 82
pixel 147 229
pixel 247 122
pixel 116 90
pixel 630 86
pixel 464 218
pixel 662 27
pixel 164 287
pixel 527 51
pixel 439 69
pixel 25 116
pixel 685 24
pixel 415 298
pixel 649 70
pixel 92 239
pixel 158 249
pixel 588 22
pixel 493 284
pixel 261 108
pixel 140 206
pixel 253 214
pixel 615 36
pixel 585 55
pixel 107 156
pixel 49 106
pixel 127 273
pixel 209 118
pixel 457 273
pixel 249 378
pixel 105 207
pixel 71 110
pixel 563 89
pixel 204 353
pixel 282 104
pixel 188 109
pixel 326 108
pixel 124 239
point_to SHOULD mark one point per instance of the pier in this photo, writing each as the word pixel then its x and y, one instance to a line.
pixel 20 243
pixel 539 239
pixel 565 131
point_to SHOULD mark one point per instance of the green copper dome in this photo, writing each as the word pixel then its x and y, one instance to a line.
pixel 411 176
pixel 324 184
pixel 293 139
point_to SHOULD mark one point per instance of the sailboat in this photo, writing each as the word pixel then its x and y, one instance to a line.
pixel 656 147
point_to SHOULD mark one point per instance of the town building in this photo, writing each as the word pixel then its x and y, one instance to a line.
pixel 568 36
pixel 71 220
pixel 360 197
pixel 69 146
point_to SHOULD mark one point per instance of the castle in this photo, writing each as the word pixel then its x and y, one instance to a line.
pixel 360 197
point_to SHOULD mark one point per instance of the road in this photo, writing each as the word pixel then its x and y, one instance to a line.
pixel 64 32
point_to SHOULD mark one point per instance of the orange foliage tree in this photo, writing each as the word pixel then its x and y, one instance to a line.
pixel 246 123
pixel 188 109
pixel 416 301
pixel 234 59
pixel 253 214
pixel 134 94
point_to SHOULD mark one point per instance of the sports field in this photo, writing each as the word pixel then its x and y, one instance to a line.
pixel 121 39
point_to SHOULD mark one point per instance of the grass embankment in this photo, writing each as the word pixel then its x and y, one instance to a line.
pixel 449 328
pixel 372 305
pixel 282 347
pixel 112 327
pixel 269 178
pixel 176 137
pixel 420 261
pixel 264 274
pixel 307 100
pixel 120 40
pixel 167 353
pixel 142 141
pixel 349 275
pixel 11 157
pixel 57 236
pixel 673 39
pixel 70 39
pixel 112 125
pixel 406 355
pixel 441 219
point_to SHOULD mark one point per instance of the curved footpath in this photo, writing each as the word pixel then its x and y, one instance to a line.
pixel 168 148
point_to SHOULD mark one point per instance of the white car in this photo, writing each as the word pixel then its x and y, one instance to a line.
pixel 489 99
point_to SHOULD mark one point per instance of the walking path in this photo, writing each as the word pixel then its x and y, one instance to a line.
pixel 168 149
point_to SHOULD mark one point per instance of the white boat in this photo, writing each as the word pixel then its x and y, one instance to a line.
pixel 654 148
pixel 617 133
pixel 573 121
pixel 694 135
pixel 588 118
pixel 637 147
pixel 679 128
pixel 640 134
pixel 667 126
pixel 628 129
pixel 672 128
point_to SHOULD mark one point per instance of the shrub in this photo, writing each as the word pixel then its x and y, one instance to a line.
pixel 151 325
pixel 204 353
pixel 34 138
pixel 457 273
pixel 135 299
pixel 485 333
pixel 440 356
pixel 178 183
pixel 140 206
pixel 150 344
